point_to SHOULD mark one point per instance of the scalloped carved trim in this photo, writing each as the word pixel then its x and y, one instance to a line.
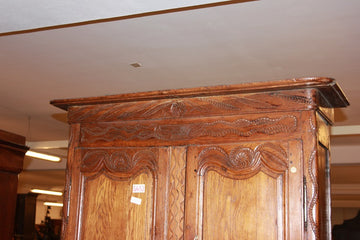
pixel 120 161
pixel 244 162
pixel 168 132
pixel 314 196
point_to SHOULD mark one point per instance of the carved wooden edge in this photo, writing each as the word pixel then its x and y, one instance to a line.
pixel 310 151
pixel 188 130
pixel 194 107
pixel 243 162
pixel 69 189
pixel 327 86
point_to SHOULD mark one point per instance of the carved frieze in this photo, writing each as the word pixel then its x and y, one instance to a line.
pixel 188 107
pixel 103 132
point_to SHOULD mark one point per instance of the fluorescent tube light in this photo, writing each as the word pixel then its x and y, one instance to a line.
pixel 43 156
pixel 46 192
pixel 54 204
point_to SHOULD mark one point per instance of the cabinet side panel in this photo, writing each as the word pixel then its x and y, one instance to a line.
pixel 323 157
pixel 111 209
pixel 242 209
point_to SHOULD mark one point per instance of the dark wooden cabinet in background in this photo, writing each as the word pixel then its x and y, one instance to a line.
pixel 246 161
pixel 12 151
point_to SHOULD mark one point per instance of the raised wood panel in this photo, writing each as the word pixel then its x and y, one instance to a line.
pixel 243 209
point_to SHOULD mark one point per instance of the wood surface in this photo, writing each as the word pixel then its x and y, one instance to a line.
pixel 327 88
pixel 225 162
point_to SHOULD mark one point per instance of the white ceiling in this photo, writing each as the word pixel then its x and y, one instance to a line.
pixel 229 44
pixel 21 15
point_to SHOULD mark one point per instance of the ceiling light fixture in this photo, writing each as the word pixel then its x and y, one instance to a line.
pixel 54 204
pixel 47 192
pixel 43 156
pixel 135 65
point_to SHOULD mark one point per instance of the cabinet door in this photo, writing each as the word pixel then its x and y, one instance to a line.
pixel 244 191
pixel 119 191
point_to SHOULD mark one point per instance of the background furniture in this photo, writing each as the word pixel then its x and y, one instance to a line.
pixel 247 161
pixel 25 216
pixel 12 151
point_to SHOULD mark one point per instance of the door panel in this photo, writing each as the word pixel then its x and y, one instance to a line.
pixel 112 211
pixel 120 189
pixel 242 209
pixel 241 191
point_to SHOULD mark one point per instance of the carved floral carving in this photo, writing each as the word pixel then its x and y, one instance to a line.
pixel 243 162
pixel 241 127
pixel 119 161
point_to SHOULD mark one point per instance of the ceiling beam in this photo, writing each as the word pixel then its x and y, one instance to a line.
pixel 345 130
pixel 48 144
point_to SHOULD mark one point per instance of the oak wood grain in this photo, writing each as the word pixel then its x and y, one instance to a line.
pixel 223 162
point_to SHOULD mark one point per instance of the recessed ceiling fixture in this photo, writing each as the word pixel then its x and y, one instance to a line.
pixel 135 65
pixel 43 156
pixel 47 192
pixel 54 204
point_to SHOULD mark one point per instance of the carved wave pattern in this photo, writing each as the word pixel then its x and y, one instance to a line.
pixel 176 108
pixel 177 196
pixel 244 160
pixel 314 199
pixel 118 161
pixel 168 132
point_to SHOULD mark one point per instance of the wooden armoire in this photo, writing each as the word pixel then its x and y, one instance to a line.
pixel 248 161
